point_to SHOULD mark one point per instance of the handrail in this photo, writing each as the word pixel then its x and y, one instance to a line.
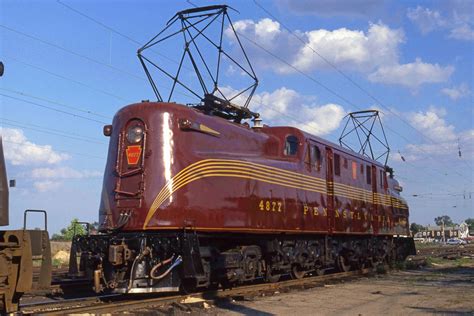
pixel 36 211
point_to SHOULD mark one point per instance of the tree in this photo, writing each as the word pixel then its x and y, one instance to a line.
pixel 68 232
pixel 446 219
pixel 470 223
pixel 415 228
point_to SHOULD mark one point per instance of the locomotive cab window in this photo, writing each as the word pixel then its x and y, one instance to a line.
pixel 316 157
pixel 368 175
pixel 291 145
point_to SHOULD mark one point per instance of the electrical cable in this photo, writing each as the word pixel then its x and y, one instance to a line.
pixel 54 109
pixel 67 78
pixel 50 131
pixel 56 150
pixel 113 30
pixel 370 95
pixel 55 102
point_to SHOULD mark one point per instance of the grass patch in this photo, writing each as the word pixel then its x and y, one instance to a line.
pixel 57 263
pixel 458 262
pixel 463 261
pixel 434 261
pixel 407 265
pixel 420 245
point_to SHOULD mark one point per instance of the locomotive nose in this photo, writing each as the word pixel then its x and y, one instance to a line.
pixel 129 170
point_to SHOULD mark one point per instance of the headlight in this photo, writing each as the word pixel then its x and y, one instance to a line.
pixel 134 134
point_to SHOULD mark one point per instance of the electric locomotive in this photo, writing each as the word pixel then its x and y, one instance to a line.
pixel 193 198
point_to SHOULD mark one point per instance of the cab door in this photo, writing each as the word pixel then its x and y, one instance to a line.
pixel 330 189
pixel 376 210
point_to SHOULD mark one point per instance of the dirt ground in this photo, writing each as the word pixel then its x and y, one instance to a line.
pixel 446 288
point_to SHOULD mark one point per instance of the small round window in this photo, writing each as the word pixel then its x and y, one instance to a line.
pixel 291 145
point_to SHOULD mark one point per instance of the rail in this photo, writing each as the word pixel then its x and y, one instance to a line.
pixel 120 303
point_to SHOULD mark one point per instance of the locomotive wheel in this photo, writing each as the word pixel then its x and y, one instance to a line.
pixel 296 272
pixel 342 264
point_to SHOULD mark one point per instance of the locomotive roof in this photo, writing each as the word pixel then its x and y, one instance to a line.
pixel 267 130
pixel 327 143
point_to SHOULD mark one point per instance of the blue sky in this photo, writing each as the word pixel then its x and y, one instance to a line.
pixel 66 76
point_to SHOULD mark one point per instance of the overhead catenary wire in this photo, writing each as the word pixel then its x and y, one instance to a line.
pixel 347 77
pixel 79 54
pixel 327 88
pixel 53 109
pixel 332 91
pixel 336 94
pixel 68 79
pixel 95 61
pixel 90 59
pixel 55 102
pixel 50 131
pixel 443 194
pixel 136 42
pixel 107 27
pixel 56 150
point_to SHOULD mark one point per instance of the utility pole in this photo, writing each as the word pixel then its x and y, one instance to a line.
pixel 443 240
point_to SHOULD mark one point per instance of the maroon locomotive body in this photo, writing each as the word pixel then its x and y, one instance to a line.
pixel 191 199
pixel 206 173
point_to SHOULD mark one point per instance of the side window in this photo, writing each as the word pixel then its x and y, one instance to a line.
pixel 345 163
pixel 291 145
pixel 307 156
pixel 316 155
pixel 368 174
pixel 354 170
pixel 362 169
pixel 381 179
pixel 337 165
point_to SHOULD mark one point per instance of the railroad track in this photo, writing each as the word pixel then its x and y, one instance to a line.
pixel 121 303
pixel 441 250
pixel 449 252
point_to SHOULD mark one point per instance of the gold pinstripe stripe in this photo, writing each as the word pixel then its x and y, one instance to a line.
pixel 207 164
pixel 387 199
pixel 249 170
pixel 214 162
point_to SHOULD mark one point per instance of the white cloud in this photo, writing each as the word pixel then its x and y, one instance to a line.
pixel 20 151
pixel 426 19
pixel 462 32
pixel 412 75
pixel 457 92
pixel 47 185
pixel 433 124
pixel 287 107
pixel 347 49
pixel 49 179
pixel 63 173
pixel 445 140
pixel 457 18
pixel 374 52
